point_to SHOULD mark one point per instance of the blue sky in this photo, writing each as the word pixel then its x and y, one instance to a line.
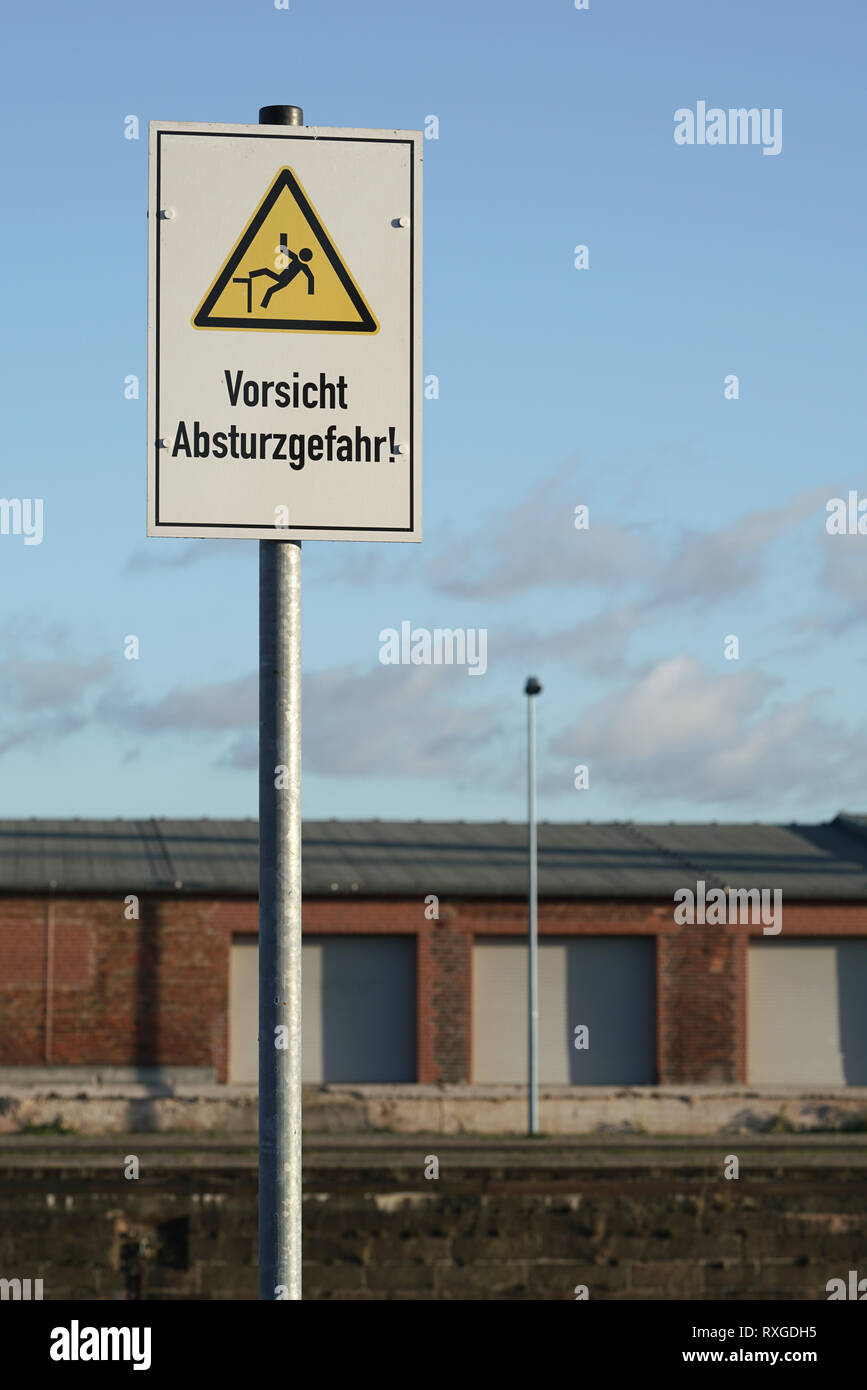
pixel 558 387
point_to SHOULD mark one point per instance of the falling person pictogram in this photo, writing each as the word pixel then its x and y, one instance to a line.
pixel 297 265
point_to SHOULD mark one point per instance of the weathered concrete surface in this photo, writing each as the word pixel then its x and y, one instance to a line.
pixel 630 1217
pixel 583 1109
pixel 361 1154
pixel 113 1108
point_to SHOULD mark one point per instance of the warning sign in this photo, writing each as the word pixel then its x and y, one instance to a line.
pixel 284 332
pixel 285 273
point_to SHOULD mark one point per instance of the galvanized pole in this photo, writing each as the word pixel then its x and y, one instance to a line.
pixel 280 899
pixel 531 690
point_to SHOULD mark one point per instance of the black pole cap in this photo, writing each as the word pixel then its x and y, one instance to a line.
pixel 281 115
pixel 533 687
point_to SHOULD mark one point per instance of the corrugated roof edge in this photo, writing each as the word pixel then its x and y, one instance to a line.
pixel 186 848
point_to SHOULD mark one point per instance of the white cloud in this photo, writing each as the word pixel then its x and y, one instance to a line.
pixel 396 721
pixel 715 564
pixel 534 544
pixel 596 645
pixel 681 731
pixel 389 721
pixel 168 553
pixel 220 705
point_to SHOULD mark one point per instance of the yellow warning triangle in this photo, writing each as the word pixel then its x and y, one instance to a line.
pixel 285 273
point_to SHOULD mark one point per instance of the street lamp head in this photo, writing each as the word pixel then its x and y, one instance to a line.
pixel 533 686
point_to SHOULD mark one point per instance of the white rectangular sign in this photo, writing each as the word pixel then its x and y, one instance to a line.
pixel 284 332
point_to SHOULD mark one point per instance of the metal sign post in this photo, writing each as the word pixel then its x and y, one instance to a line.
pixel 280 900
pixel 284 405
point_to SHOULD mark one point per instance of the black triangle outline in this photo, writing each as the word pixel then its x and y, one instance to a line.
pixel 286 179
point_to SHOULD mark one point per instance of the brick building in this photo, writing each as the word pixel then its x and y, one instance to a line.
pixel 131 945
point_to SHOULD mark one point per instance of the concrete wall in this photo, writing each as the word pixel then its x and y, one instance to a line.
pixel 496 1110
pixel 524 1222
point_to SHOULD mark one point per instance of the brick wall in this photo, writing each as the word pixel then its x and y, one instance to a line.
pixel 80 984
pixel 120 992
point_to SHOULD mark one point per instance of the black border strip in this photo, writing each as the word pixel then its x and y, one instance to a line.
pixel 311 526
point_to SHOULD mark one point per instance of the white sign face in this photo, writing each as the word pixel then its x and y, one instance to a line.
pixel 284 332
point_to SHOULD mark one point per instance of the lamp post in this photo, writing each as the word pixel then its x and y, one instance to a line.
pixel 531 689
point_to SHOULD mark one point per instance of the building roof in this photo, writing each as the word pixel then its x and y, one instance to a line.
pixel 467 859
